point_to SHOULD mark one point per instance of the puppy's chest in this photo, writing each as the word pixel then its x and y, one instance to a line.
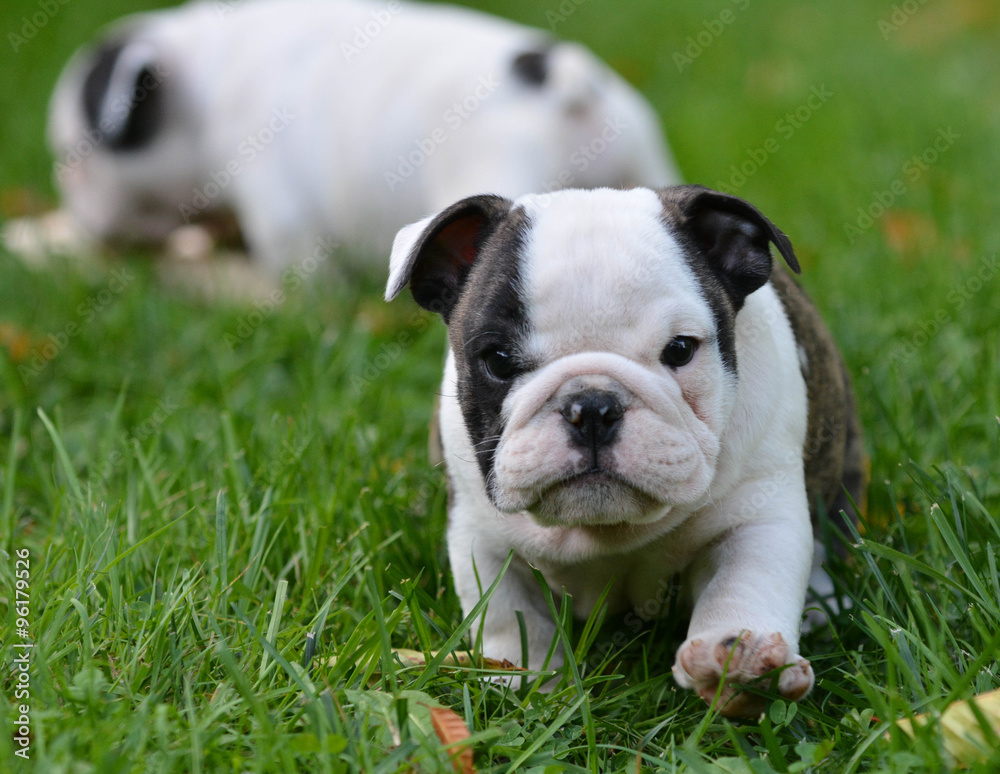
pixel 643 584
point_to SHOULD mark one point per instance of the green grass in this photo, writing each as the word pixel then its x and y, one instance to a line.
pixel 194 512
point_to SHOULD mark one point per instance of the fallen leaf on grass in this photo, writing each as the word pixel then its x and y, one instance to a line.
pixel 16 341
pixel 451 730
pixel 910 234
pixel 20 202
pixel 459 660
pixel 463 660
pixel 928 28
pixel 961 730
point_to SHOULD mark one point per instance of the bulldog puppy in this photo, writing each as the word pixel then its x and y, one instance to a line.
pixel 631 394
pixel 332 121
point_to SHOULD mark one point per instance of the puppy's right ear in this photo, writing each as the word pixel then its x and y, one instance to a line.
pixel 435 255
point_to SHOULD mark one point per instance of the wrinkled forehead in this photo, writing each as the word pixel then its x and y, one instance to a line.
pixel 602 271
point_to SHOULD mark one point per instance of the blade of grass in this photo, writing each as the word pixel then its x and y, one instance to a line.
pixel 221 546
pixel 550 731
pixel 280 593
pixel 9 476
pixel 64 461
pixel 452 642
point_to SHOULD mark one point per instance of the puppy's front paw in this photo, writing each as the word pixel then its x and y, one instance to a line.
pixel 744 657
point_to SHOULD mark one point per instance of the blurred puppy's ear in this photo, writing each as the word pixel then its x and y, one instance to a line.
pixel 123 95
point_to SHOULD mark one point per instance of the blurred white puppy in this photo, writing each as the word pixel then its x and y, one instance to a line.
pixel 319 123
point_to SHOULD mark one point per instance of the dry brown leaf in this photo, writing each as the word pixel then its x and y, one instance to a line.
pixel 452 731
pixel 385 319
pixel 16 341
pixel 21 201
pixel 909 233
pixel 462 659
pixel 934 25
pixel 961 733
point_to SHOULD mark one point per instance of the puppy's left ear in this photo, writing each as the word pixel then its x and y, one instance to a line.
pixel 434 256
pixel 731 234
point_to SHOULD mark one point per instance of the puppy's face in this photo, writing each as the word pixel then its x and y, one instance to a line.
pixel 593 333
pixel 593 385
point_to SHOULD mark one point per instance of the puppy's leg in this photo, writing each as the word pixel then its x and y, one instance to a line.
pixel 279 223
pixel 473 553
pixel 749 589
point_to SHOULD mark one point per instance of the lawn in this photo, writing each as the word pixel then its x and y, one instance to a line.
pixel 229 517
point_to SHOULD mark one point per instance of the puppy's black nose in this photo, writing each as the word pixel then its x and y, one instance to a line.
pixel 593 418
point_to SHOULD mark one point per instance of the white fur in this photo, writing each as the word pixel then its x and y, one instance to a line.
pixel 720 460
pixel 342 117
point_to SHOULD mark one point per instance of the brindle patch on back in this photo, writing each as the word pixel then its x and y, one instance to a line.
pixel 833 453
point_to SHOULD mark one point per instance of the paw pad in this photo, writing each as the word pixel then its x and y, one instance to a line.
pixel 742 657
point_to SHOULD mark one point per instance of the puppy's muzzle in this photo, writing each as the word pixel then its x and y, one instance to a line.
pixel 593 418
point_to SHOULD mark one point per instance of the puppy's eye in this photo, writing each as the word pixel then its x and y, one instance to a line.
pixel 679 351
pixel 499 364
